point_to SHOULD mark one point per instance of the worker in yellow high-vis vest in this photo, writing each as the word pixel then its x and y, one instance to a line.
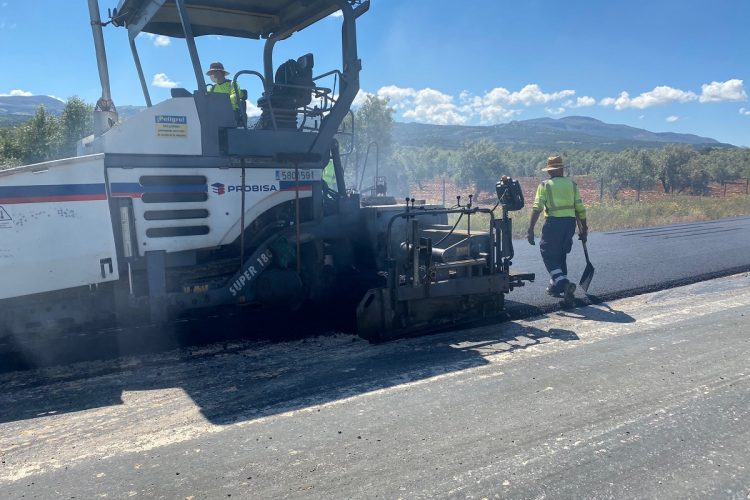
pixel 329 176
pixel 559 199
pixel 220 84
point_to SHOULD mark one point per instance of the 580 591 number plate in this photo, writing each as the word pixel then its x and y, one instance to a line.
pixel 288 175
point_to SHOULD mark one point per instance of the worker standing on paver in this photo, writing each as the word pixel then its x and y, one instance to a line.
pixel 220 84
pixel 560 200
pixel 329 176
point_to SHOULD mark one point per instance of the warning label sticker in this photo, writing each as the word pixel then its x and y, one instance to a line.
pixel 171 126
pixel 5 218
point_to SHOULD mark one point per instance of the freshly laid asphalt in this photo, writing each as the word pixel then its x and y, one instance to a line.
pixel 643 397
pixel 638 260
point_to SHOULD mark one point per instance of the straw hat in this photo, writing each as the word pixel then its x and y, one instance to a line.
pixel 216 66
pixel 553 163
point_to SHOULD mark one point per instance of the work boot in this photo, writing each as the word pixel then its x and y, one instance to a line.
pixel 570 297
pixel 551 290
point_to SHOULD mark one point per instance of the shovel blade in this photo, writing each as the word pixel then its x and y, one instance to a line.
pixel 588 275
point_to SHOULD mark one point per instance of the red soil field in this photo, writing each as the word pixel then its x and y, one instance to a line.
pixel 432 190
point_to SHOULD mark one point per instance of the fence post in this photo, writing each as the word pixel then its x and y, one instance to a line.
pixel 601 189
pixel 725 189
pixel 747 185
pixel 443 191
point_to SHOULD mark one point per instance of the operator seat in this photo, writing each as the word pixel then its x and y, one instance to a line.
pixel 292 89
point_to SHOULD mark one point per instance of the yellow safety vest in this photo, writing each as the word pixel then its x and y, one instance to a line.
pixel 226 88
pixel 559 197
pixel 329 176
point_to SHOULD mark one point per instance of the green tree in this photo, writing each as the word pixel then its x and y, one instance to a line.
pixel 479 164
pixel 617 172
pixel 75 123
pixel 671 167
pixel 419 164
pixel 7 158
pixel 639 170
pixel 45 137
pixel 373 126
pixel 34 141
pixel 604 165
pixel 696 177
pixel 742 159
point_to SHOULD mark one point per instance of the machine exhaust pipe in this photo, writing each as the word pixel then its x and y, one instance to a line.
pixel 105 114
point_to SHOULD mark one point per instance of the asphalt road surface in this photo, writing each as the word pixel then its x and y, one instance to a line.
pixel 643 397
pixel 640 260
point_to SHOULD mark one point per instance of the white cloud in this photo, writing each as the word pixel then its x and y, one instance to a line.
pixel 162 41
pixel 529 95
pixel 252 110
pixel 671 119
pixel 26 93
pixel 731 90
pixel 580 102
pixel 338 13
pixel 17 93
pixel 497 105
pixel 660 96
pixel 398 97
pixel 584 102
pixel 162 80
pixel 494 114
pixel 360 98
pixel 158 40
pixel 425 105
pixel 433 106
pixel 487 112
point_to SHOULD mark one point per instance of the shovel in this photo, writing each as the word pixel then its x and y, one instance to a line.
pixel 588 273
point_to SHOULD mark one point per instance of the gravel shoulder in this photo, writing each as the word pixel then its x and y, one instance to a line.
pixel 647 396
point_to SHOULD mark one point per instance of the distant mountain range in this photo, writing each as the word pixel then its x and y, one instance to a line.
pixel 17 109
pixel 575 132
pixel 26 105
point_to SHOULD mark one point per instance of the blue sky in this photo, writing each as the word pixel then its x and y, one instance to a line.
pixel 664 65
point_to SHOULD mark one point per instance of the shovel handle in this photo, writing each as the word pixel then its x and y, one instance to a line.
pixel 585 252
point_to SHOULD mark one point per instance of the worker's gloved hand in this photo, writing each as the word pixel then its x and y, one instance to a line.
pixel 530 236
pixel 583 236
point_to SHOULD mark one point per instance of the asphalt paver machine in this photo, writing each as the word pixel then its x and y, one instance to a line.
pixel 189 205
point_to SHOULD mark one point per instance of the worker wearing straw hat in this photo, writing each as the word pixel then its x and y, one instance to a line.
pixel 558 197
pixel 220 84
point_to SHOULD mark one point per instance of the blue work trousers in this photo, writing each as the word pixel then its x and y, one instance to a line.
pixel 555 245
